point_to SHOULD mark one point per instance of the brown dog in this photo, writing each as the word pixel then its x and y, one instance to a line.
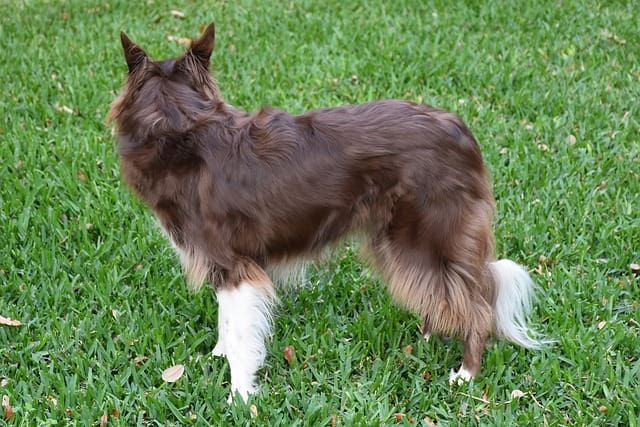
pixel 244 195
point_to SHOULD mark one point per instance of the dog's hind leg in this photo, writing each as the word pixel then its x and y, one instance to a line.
pixel 244 323
pixel 436 266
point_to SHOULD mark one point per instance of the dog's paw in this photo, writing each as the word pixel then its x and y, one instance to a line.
pixel 460 377
pixel 218 350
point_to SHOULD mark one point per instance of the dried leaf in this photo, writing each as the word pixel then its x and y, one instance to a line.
pixel 334 420
pixel 399 416
pixel 254 411
pixel 603 409
pixel 427 375
pixel 139 359
pixel 289 354
pixel 7 321
pixel 177 14
pixel 104 419
pixel 64 107
pixel 115 413
pixel 429 421
pixel 114 313
pixel 634 266
pixel 572 140
pixel 516 394
pixel 8 410
pixel 601 324
pixel 173 374
pixel 3 381
pixel 184 41
pixel 82 177
pixel 408 349
pixel 53 400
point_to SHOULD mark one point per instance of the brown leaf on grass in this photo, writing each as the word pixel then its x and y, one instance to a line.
pixel 104 419
pixel 82 177
pixel 603 409
pixel 602 324
pixel 289 354
pixel 399 416
pixel 429 421
pixel 6 406
pixel 7 321
pixel 408 349
pixel 254 411
pixel 115 413
pixel 334 420
pixel 177 14
pixel 173 374
pixel 53 401
pixel 634 267
pixel 139 359
pixel 427 375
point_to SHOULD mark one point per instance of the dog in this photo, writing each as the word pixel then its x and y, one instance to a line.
pixel 243 196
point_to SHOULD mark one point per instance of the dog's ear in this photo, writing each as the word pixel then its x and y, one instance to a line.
pixel 202 48
pixel 133 54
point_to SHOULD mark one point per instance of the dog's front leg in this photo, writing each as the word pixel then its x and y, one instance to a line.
pixel 244 322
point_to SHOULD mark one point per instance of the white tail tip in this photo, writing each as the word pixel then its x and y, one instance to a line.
pixel 515 293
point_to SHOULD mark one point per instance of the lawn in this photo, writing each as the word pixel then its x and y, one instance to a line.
pixel 551 90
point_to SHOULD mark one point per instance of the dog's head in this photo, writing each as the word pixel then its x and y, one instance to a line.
pixel 168 93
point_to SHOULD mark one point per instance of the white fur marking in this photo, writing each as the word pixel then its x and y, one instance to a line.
pixel 194 265
pixel 244 324
pixel 289 272
pixel 515 291
pixel 460 377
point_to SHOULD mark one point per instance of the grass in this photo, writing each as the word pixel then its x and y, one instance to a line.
pixel 551 91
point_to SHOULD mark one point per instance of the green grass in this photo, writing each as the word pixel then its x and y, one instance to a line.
pixel 551 91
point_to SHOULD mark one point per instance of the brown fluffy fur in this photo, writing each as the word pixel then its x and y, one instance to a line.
pixel 239 193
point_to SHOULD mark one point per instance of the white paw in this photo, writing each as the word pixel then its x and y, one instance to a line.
pixel 460 377
pixel 218 350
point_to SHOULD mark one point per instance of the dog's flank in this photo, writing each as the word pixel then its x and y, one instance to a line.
pixel 242 194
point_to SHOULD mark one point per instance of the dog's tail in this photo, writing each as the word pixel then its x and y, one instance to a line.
pixel 514 297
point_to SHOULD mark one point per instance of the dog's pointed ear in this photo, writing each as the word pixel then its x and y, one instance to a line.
pixel 202 48
pixel 133 54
